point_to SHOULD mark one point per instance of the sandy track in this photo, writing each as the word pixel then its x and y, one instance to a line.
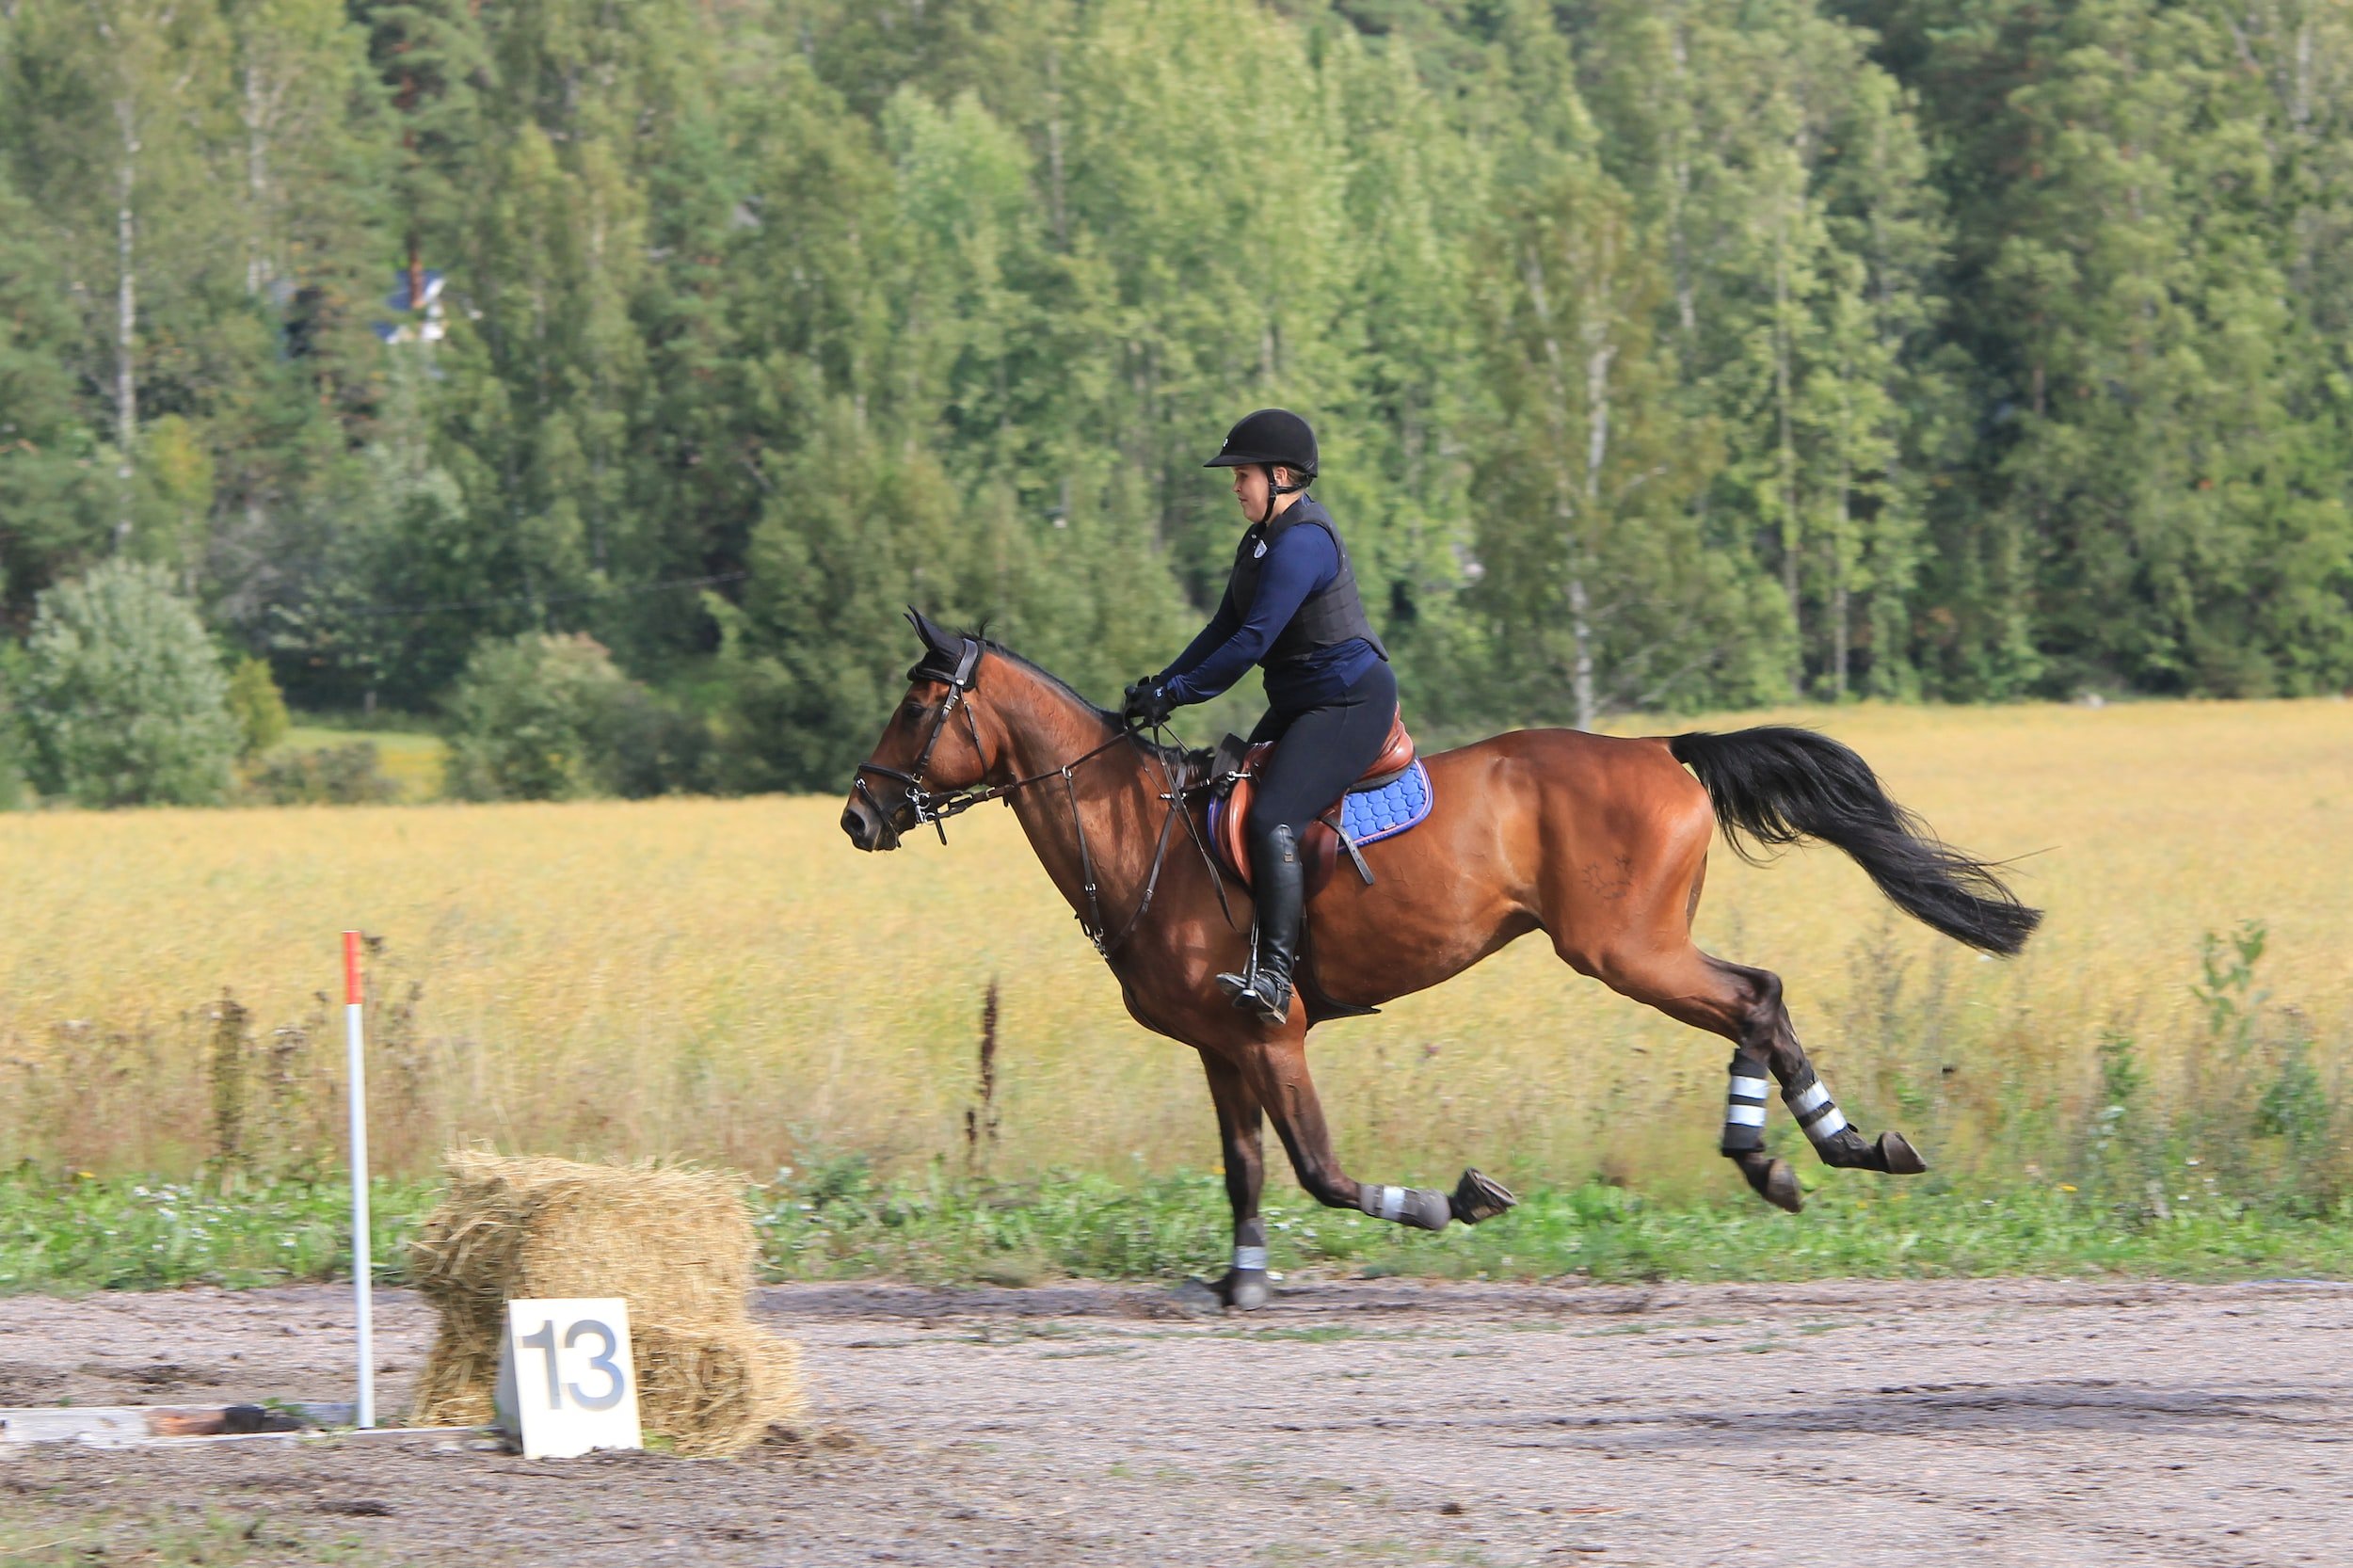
pixel 1977 1423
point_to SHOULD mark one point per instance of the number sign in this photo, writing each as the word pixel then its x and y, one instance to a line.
pixel 566 1382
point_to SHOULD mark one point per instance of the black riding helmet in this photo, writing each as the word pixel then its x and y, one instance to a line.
pixel 1269 437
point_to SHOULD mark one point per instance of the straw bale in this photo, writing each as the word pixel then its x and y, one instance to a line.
pixel 716 1389
pixel 674 1242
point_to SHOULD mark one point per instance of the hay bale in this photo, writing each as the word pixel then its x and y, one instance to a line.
pixel 719 1388
pixel 675 1243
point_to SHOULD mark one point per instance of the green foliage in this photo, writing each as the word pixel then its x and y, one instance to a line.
pixel 551 717
pixel 122 695
pixel 837 1222
pixel 1664 353
pixel 49 494
pixel 14 753
pixel 2120 1143
pixel 258 706
pixel 2227 990
pixel 527 719
pixel 349 775
pixel 75 1231
pixel 2295 1104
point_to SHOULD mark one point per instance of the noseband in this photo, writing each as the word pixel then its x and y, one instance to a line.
pixel 937 809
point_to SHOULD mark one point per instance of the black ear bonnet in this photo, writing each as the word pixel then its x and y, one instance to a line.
pixel 946 658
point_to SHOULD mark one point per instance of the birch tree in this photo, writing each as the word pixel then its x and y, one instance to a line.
pixel 116 118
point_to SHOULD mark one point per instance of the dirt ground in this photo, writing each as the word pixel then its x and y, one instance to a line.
pixel 1856 1424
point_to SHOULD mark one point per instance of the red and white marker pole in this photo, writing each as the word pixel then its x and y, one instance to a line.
pixel 361 1263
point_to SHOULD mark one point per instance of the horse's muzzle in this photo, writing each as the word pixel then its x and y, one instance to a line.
pixel 868 828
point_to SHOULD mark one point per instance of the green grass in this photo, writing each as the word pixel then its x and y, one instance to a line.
pixel 843 1224
pixel 84 1233
pixel 65 1534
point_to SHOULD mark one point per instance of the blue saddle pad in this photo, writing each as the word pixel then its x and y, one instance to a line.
pixel 1367 817
pixel 1385 812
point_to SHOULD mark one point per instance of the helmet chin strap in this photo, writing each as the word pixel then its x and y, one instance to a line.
pixel 1274 491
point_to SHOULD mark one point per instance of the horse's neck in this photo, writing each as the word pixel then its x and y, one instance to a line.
pixel 1046 731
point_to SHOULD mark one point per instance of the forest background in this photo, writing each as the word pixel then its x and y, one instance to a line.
pixel 1666 354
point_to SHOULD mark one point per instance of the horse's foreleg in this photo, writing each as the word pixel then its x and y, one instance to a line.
pixel 1276 1073
pixel 1239 1124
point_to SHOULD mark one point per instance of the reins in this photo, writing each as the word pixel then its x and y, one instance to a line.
pixel 937 809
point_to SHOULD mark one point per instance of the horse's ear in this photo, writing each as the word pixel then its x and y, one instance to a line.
pixel 934 638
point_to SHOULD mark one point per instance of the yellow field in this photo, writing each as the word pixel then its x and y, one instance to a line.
pixel 728 979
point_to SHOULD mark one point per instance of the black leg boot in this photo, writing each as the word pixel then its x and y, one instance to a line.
pixel 1278 887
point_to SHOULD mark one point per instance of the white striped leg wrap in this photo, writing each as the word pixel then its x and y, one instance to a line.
pixel 1744 1109
pixel 1816 1111
pixel 1384 1203
pixel 1248 1258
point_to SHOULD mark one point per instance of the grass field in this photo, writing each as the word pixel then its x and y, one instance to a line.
pixel 728 980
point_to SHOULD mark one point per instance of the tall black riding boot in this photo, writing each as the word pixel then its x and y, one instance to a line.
pixel 1278 886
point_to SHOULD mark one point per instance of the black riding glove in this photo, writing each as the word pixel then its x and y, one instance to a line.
pixel 1146 704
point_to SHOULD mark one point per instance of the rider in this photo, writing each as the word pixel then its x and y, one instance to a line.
pixel 1290 606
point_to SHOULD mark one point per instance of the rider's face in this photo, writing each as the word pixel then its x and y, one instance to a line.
pixel 1249 490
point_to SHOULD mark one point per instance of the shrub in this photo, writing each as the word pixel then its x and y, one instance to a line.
pixel 13 789
pixel 551 717
pixel 327 775
pixel 122 695
pixel 258 706
pixel 653 748
pixel 13 758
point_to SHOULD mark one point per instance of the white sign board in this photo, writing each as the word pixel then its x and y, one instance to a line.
pixel 565 1381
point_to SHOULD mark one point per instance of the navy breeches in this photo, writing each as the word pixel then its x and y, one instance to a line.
pixel 1323 750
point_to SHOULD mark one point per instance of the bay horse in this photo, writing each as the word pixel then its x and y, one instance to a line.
pixel 1601 843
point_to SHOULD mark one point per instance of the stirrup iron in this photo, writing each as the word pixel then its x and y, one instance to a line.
pixel 1243 991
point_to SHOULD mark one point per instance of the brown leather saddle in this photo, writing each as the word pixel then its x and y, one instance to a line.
pixel 1321 847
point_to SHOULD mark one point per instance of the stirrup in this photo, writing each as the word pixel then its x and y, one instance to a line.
pixel 1241 989
pixel 1259 992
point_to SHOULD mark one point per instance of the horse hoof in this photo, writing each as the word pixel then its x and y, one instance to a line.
pixel 1478 1197
pixel 1243 1292
pixel 1776 1183
pixel 1898 1156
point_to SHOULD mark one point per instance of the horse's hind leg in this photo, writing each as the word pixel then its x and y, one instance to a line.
pixel 1825 1125
pixel 1744 1005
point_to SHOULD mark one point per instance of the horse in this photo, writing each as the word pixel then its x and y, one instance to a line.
pixel 1601 843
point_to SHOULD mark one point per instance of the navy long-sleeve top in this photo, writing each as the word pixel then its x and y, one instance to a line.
pixel 1302 560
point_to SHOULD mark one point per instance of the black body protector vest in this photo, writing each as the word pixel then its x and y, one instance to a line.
pixel 1329 616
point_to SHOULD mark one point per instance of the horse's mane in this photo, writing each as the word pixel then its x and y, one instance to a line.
pixel 1175 756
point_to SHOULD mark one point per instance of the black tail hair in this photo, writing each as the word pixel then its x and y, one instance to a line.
pixel 1782 785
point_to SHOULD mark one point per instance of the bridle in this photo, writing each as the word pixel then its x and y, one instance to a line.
pixel 937 809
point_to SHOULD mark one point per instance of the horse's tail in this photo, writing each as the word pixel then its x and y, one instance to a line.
pixel 1781 785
